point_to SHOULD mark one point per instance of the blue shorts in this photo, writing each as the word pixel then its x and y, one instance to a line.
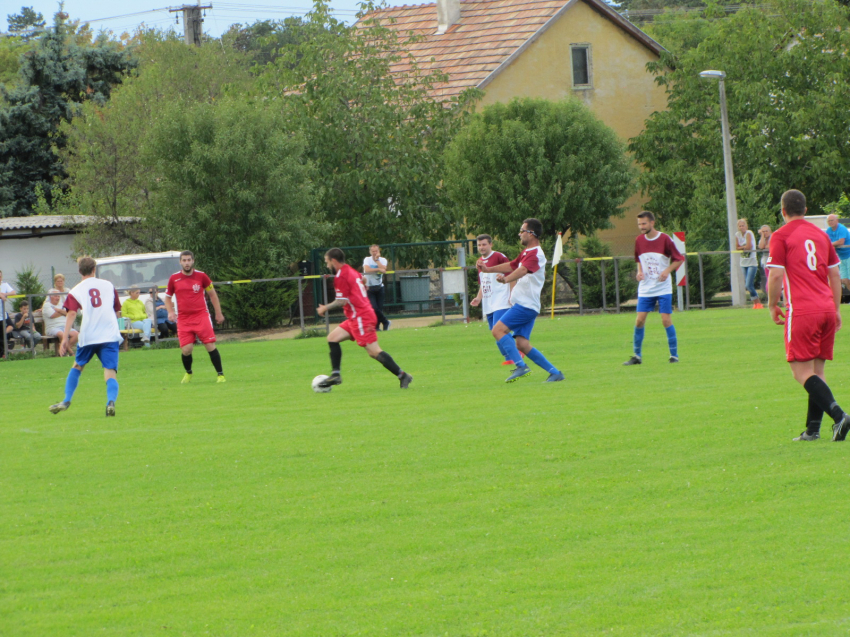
pixel 494 317
pixel 106 352
pixel 647 303
pixel 520 320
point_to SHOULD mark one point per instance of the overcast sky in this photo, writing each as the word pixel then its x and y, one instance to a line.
pixel 126 16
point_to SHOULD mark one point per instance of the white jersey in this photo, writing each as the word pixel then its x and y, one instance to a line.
pixel 98 300
pixel 527 290
pixel 494 295
pixel 374 279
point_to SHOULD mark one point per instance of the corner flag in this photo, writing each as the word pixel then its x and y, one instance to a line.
pixel 556 258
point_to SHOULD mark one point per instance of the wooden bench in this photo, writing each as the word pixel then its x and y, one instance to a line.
pixel 127 334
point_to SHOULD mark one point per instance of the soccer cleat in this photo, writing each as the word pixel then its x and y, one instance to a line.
pixel 808 436
pixel 758 306
pixel 387 325
pixel 187 378
pixel 405 380
pixel 55 409
pixel 634 360
pixel 554 377
pixel 508 363
pixel 518 373
pixel 110 408
pixel 220 379
pixel 674 359
pixel 333 379
pixel 840 429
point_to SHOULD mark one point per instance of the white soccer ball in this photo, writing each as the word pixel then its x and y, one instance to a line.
pixel 320 390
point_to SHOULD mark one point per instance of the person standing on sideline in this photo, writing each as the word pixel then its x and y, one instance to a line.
pixel 805 256
pixel 529 272
pixel 764 244
pixel 194 321
pixel 99 334
pixel 374 268
pixel 493 297
pixel 360 322
pixel 5 291
pixel 839 235
pixel 656 256
pixel 746 241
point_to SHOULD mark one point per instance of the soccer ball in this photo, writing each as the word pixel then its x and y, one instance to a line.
pixel 320 390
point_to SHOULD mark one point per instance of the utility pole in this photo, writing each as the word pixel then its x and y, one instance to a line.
pixel 192 21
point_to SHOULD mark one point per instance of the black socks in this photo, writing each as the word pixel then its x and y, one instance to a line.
pixel 336 356
pixel 215 357
pixel 387 361
pixel 187 363
pixel 813 417
pixel 821 395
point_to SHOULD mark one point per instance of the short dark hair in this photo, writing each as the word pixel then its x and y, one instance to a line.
pixel 534 226
pixel 794 203
pixel 646 214
pixel 336 254
pixel 484 237
pixel 86 265
pixel 23 303
pixel 187 253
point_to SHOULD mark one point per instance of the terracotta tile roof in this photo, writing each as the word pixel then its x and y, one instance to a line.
pixel 487 35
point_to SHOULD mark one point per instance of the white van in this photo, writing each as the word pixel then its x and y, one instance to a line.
pixel 142 270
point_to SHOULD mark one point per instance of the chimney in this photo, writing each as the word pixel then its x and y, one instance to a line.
pixel 448 12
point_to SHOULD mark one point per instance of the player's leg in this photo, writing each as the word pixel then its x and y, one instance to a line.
pixel 492 319
pixel 374 350
pixel 520 321
pixel 535 355
pixel 339 335
pixel 645 306
pixel 186 347
pixel 665 308
pixel 108 355
pixel 83 356
pixel 215 359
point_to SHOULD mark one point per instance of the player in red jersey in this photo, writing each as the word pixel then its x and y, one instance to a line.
pixel 804 262
pixel 194 319
pixel 360 320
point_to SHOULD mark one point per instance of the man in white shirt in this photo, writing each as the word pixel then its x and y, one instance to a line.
pixel 374 268
pixel 54 318
pixel 5 291
pixel 99 334
pixel 493 297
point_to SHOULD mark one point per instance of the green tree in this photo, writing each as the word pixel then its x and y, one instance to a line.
pixel 535 158
pixel 786 84
pixel 591 275
pixel 26 20
pixel 375 137
pixel 55 78
pixel 234 186
pixel 266 40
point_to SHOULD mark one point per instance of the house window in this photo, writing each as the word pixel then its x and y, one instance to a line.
pixel 582 77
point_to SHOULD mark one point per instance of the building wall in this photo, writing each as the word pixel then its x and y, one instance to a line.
pixel 41 252
pixel 623 96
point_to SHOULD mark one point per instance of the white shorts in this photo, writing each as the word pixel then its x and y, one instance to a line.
pixel 54 331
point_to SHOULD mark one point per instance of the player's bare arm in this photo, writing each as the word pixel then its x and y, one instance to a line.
pixel 502 268
pixel 169 305
pixel 477 300
pixel 219 317
pixel 333 305
pixel 668 270
pixel 639 275
pixel 517 274
pixel 65 345
pixel 835 286
pixel 774 291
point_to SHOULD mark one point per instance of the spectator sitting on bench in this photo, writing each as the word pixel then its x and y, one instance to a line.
pixel 155 308
pixel 21 323
pixel 134 310
pixel 54 318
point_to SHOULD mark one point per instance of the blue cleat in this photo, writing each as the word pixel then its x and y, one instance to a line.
pixel 518 373
pixel 554 377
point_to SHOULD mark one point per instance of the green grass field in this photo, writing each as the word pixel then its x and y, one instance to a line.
pixel 655 500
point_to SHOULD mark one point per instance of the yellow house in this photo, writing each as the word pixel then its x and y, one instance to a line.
pixel 548 49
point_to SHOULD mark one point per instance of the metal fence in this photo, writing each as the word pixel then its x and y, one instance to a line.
pixel 583 286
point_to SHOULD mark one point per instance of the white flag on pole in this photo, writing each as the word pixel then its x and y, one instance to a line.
pixel 559 251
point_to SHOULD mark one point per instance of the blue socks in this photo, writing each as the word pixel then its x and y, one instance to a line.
pixel 508 347
pixel 639 340
pixel 71 383
pixel 111 390
pixel 540 360
pixel 672 341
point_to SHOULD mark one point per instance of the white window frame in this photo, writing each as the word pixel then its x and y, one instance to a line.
pixel 587 47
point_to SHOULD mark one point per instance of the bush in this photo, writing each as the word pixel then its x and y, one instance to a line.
pixel 28 281
pixel 591 277
pixel 257 306
pixel 715 270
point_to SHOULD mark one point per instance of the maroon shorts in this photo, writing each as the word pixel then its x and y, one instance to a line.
pixel 192 327
pixel 361 330
pixel 809 336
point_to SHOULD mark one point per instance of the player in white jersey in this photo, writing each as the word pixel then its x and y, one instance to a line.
pixel 99 333
pixel 529 272
pixel 493 297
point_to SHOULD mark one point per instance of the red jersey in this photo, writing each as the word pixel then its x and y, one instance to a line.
pixel 190 292
pixel 349 286
pixel 805 252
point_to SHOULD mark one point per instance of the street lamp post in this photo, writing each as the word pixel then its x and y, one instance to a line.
pixel 736 274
